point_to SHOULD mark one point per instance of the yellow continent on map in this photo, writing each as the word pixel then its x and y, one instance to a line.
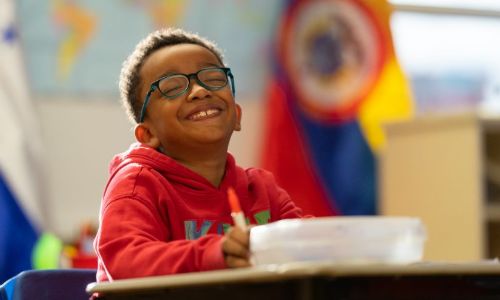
pixel 166 13
pixel 81 26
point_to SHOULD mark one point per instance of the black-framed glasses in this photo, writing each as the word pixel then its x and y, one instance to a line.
pixel 174 85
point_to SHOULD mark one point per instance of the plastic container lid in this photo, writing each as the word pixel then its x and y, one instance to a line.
pixel 339 239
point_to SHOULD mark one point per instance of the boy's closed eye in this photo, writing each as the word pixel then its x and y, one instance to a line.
pixel 216 81
pixel 173 90
pixel 172 86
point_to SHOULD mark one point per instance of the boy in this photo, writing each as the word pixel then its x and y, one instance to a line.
pixel 165 207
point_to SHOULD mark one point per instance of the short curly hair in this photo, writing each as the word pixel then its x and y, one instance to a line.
pixel 130 79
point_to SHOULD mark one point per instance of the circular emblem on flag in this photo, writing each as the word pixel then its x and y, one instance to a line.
pixel 333 52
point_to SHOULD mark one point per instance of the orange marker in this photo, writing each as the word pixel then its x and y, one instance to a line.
pixel 236 213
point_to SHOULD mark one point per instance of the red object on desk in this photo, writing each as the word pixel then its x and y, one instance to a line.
pixel 84 262
pixel 85 257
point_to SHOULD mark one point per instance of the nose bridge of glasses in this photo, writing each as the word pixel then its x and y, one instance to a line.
pixel 196 80
pixel 192 80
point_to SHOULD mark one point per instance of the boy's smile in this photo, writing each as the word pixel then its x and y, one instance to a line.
pixel 203 112
pixel 195 119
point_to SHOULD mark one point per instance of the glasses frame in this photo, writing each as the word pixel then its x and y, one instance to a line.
pixel 156 86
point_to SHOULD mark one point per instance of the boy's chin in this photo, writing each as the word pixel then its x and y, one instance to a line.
pixel 213 140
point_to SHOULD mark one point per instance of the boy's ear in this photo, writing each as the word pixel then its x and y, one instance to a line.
pixel 237 127
pixel 144 135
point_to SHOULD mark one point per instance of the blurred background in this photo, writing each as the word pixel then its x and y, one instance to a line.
pixel 359 107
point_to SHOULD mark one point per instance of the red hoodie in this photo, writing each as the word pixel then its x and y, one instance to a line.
pixel 158 217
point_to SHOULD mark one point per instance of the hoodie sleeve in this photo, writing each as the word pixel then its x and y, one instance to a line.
pixel 131 242
pixel 264 185
pixel 287 208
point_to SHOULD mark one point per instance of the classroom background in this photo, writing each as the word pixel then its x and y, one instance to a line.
pixel 349 102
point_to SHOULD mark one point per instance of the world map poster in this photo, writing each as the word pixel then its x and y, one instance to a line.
pixel 77 47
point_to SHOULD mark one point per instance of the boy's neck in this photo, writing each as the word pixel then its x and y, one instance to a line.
pixel 213 170
pixel 210 166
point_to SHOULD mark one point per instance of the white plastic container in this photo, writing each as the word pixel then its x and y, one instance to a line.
pixel 339 239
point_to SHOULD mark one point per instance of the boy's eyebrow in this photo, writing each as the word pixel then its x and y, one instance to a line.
pixel 167 73
pixel 211 65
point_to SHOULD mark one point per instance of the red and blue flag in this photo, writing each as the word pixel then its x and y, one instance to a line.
pixel 336 80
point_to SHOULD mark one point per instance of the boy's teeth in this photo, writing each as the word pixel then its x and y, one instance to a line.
pixel 211 112
pixel 202 114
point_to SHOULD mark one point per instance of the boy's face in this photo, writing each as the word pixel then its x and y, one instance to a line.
pixel 182 124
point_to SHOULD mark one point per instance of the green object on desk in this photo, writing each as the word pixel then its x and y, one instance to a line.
pixel 47 252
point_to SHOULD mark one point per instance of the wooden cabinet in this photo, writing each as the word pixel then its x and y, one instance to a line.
pixel 446 171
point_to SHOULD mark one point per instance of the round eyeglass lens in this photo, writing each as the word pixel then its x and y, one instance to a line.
pixel 214 78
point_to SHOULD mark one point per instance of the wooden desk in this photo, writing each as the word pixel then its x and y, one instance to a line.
pixel 317 281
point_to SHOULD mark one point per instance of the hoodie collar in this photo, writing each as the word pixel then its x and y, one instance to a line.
pixel 171 169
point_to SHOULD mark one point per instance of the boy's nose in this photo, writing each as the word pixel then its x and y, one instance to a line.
pixel 196 92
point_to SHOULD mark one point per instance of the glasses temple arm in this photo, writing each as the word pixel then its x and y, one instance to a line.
pixel 145 104
pixel 233 89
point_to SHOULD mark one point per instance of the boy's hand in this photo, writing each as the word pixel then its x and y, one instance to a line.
pixel 235 247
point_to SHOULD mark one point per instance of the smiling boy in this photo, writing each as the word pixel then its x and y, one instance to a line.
pixel 165 208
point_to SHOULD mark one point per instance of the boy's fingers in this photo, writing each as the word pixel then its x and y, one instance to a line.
pixel 239 235
pixel 232 247
pixel 237 262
